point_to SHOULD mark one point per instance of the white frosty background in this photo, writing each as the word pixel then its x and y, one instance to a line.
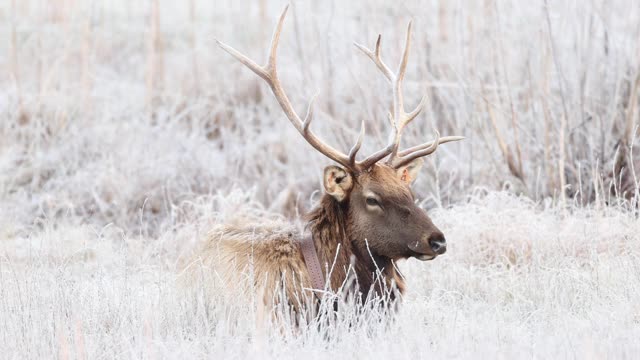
pixel 125 133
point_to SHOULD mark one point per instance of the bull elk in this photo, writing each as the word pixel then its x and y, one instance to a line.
pixel 366 220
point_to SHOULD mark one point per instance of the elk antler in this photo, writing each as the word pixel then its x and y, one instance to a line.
pixel 400 118
pixel 269 73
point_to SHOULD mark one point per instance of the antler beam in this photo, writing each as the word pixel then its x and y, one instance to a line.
pixel 269 73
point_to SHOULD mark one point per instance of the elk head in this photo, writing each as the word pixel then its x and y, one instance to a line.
pixel 376 196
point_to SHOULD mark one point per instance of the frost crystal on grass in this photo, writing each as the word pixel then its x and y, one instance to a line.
pixel 126 135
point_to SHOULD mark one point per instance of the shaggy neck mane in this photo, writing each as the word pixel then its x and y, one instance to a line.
pixel 328 222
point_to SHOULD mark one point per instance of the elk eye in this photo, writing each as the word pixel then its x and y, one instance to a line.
pixel 372 202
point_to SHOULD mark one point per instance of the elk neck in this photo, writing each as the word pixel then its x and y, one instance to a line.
pixel 329 226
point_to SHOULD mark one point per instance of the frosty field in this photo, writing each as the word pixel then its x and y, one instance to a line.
pixel 126 134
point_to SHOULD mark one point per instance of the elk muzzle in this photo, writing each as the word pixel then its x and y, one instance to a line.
pixel 438 243
pixel 429 246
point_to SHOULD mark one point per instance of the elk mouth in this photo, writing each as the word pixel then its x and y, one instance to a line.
pixel 422 256
pixel 420 252
pixel 425 257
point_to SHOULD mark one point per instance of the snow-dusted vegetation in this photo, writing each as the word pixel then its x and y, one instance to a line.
pixel 126 133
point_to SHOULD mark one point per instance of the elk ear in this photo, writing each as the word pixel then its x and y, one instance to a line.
pixel 409 172
pixel 337 182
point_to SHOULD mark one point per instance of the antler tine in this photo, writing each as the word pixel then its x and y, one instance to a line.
pixel 356 147
pixel 275 40
pixel 442 140
pixel 398 103
pixel 375 57
pixel 245 61
pixel 412 115
pixel 399 118
pixel 269 73
pixel 309 116
pixel 425 149
pixel 398 162
pixel 380 154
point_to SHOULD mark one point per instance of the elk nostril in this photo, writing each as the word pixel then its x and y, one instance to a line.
pixel 438 243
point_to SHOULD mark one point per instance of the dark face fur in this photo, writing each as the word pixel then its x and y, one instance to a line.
pixel 384 219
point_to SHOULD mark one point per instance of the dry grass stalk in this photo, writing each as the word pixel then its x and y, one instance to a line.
pixel 561 161
pixel 155 63
pixel 15 69
pixel 85 77
pixel 515 167
pixel 193 46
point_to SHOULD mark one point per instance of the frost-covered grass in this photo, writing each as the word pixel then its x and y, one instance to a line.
pixel 517 282
pixel 125 134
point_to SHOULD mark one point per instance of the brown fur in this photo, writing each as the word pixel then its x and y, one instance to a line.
pixel 329 224
pixel 349 236
pixel 242 260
